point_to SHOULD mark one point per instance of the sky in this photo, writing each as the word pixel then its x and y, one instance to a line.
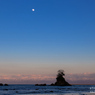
pixel 34 45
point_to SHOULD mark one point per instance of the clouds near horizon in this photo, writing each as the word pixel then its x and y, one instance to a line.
pixel 83 78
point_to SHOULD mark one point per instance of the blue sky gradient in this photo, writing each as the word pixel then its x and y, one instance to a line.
pixel 57 35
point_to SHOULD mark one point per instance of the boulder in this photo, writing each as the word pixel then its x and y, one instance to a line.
pixel 1 84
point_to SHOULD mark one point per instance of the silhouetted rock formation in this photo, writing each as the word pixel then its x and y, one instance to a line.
pixel 1 84
pixel 5 84
pixel 40 84
pixel 60 80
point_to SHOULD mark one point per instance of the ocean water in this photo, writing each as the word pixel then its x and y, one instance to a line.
pixel 47 90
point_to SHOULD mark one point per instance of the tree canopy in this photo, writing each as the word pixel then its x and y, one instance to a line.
pixel 60 73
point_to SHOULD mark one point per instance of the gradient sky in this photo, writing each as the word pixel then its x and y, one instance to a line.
pixel 59 34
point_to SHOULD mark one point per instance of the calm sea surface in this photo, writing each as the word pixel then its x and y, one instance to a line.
pixel 47 90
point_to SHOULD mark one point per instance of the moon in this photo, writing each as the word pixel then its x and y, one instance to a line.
pixel 33 10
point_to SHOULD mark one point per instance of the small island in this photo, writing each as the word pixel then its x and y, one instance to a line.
pixel 60 80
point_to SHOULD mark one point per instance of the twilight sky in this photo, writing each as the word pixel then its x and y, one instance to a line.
pixel 34 45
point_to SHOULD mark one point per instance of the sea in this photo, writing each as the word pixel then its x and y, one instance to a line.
pixel 47 90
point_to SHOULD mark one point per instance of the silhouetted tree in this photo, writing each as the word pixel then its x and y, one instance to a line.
pixel 60 73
